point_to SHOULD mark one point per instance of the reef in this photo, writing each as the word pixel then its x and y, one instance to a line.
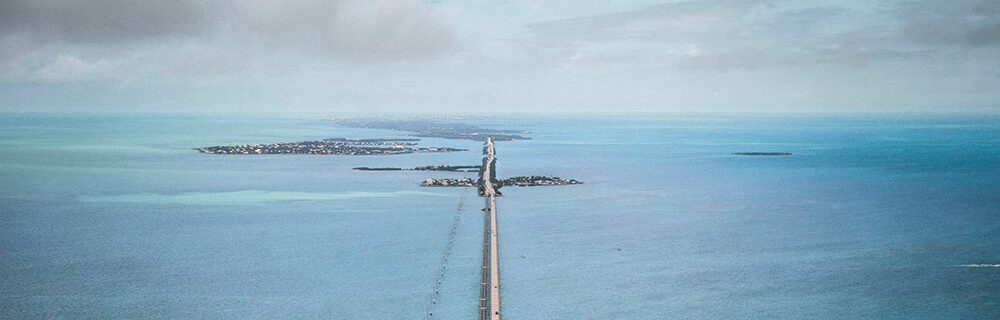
pixel 762 153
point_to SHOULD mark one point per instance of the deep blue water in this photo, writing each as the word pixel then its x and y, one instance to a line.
pixel 872 217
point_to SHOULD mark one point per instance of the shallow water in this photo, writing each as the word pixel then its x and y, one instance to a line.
pixel 889 217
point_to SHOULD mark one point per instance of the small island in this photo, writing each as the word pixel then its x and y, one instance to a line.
pixel 532 181
pixel 333 146
pixel 762 153
pixel 529 181
pixel 460 182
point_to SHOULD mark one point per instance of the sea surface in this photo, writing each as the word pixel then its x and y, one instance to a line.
pixel 115 216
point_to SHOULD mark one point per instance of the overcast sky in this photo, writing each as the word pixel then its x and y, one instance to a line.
pixel 499 56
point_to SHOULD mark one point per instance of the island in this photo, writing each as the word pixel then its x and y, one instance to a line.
pixel 434 129
pixel 531 181
pixel 762 153
pixel 460 182
pixel 522 181
pixel 332 146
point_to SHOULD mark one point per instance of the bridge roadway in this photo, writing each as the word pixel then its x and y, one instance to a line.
pixel 491 254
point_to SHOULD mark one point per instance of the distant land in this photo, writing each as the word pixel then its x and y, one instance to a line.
pixel 434 129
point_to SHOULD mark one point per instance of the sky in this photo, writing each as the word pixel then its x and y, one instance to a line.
pixel 572 56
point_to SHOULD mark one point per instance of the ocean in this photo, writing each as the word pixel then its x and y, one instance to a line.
pixel 115 216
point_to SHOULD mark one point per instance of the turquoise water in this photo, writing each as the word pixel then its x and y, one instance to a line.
pixel 885 217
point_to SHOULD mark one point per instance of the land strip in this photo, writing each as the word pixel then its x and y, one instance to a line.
pixel 434 129
pixel 334 146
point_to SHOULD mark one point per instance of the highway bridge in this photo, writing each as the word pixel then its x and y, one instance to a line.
pixel 489 293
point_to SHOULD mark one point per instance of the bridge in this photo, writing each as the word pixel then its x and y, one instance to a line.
pixel 488 185
pixel 489 292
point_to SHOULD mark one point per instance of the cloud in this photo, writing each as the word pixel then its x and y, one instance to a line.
pixel 962 23
pixel 67 68
pixel 427 54
pixel 390 29
pixel 386 29
pixel 102 21
pixel 208 38
pixel 723 60
pixel 665 22
pixel 283 24
pixel 703 35
pixel 724 35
